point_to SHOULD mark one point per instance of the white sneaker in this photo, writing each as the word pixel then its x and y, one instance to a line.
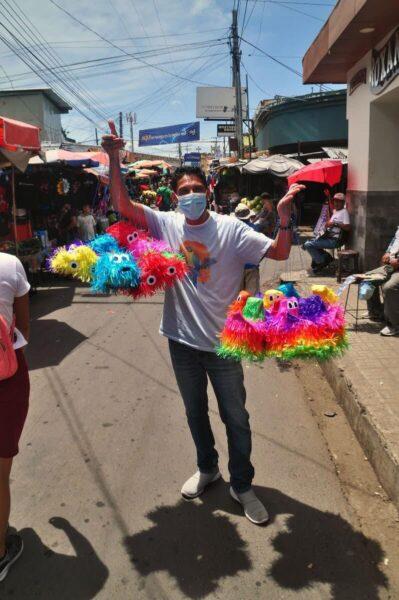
pixel 390 331
pixel 253 507
pixel 197 484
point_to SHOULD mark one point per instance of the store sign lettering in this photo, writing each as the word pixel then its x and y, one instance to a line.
pixel 385 64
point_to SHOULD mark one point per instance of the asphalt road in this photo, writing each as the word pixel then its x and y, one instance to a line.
pixel 106 449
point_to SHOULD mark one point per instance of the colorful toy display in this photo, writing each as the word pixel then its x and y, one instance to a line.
pixel 104 243
pixel 76 260
pixel 125 233
pixel 283 326
pixel 115 271
pixel 141 267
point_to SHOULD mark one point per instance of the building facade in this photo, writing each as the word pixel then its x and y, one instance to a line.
pixel 302 123
pixel 359 45
pixel 40 107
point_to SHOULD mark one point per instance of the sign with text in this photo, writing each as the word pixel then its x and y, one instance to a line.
pixel 219 103
pixel 226 130
pixel 173 134
pixel 192 158
pixel 385 64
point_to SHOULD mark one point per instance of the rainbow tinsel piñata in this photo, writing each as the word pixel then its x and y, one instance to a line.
pixel 283 326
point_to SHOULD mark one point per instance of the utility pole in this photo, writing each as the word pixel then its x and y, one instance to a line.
pixel 180 154
pixel 96 136
pixel 120 125
pixel 248 120
pixel 236 67
pixel 131 118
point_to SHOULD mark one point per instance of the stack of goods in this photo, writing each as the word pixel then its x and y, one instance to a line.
pixel 125 260
pixel 283 325
pixel 255 205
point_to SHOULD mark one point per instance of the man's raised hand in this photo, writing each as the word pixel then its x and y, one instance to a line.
pixel 112 143
pixel 284 207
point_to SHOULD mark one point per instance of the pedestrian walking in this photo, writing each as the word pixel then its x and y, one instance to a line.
pixel 216 248
pixel 14 391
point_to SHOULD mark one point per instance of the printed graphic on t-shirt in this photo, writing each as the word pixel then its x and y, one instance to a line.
pixel 198 258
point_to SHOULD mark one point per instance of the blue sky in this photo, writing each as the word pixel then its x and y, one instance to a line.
pixel 182 37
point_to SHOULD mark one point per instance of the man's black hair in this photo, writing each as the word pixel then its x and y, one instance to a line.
pixel 181 171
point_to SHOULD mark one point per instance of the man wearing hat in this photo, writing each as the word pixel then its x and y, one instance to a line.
pixel 251 277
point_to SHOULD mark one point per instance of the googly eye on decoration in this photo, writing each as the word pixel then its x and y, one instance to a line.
pixel 290 305
pixel 271 298
pixel 124 257
pixel 295 304
pixel 239 298
pixel 151 280
pixel 116 259
pixel 132 237
pixel 171 270
pixel 74 265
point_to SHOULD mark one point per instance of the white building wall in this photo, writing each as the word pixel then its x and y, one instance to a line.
pixel 373 138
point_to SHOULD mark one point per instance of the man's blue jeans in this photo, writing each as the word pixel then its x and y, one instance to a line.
pixel 192 368
pixel 316 249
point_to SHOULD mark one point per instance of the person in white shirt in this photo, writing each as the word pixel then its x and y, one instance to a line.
pixel 216 247
pixel 86 224
pixel 331 237
pixel 14 396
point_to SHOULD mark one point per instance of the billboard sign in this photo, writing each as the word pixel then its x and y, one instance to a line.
pixel 192 157
pixel 173 134
pixel 226 130
pixel 218 103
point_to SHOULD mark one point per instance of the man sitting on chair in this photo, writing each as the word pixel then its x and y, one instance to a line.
pixel 386 276
pixel 331 237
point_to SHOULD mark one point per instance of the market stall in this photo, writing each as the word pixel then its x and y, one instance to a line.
pixel 18 143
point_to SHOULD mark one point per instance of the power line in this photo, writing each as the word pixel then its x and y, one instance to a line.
pixel 121 49
pixel 33 66
pixel 273 58
pixel 26 24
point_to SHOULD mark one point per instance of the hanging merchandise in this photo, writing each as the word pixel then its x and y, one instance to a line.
pixel 284 326
pixel 76 261
pixel 145 268
pixel 63 187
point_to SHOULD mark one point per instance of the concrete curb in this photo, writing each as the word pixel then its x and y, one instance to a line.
pixel 370 436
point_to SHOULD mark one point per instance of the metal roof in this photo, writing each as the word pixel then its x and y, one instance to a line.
pixel 60 103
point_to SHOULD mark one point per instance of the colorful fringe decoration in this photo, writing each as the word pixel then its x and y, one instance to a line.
pixel 126 233
pixel 144 268
pixel 115 271
pixel 77 262
pixel 284 327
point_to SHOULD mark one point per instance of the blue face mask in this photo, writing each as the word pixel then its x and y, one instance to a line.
pixel 193 205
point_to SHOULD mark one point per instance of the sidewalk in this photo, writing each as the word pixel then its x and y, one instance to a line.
pixel 365 380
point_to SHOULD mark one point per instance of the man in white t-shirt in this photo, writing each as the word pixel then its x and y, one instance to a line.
pixel 216 248
pixel 331 237
pixel 86 224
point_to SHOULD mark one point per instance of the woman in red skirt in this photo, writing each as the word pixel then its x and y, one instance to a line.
pixel 14 397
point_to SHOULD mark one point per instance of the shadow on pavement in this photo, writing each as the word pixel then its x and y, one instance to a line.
pixel 48 300
pixel 198 547
pixel 50 342
pixel 43 574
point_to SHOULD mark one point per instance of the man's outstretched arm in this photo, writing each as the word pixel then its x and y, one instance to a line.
pixel 281 246
pixel 120 198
